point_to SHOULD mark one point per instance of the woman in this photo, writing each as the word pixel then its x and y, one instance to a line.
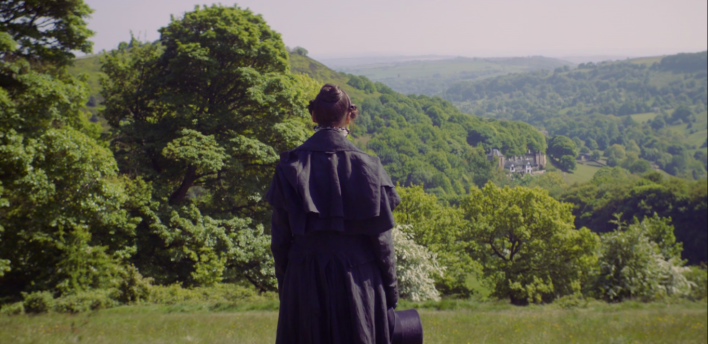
pixel 331 234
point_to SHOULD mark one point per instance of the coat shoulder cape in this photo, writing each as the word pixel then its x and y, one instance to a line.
pixel 329 184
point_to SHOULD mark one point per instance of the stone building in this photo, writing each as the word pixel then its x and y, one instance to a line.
pixel 531 162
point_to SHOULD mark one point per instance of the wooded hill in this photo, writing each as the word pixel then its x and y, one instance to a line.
pixel 655 107
pixel 420 139
pixel 432 78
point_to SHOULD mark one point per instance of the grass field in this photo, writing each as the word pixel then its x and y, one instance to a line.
pixel 485 322
pixel 643 117
pixel 583 172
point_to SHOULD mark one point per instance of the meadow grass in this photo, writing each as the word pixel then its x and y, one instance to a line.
pixel 448 321
pixel 643 117
pixel 583 172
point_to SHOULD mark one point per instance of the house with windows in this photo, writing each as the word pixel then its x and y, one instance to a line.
pixel 529 163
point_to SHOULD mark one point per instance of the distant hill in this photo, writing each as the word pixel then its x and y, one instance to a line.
pixel 419 139
pixel 425 140
pixel 655 105
pixel 432 77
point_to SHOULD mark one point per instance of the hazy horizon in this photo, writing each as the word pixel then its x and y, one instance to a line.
pixel 368 28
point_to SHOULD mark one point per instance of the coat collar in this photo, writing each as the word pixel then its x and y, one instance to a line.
pixel 328 140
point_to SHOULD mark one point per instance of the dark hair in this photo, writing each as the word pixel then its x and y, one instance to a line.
pixel 331 105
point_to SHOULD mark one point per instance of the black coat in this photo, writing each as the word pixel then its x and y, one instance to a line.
pixel 332 245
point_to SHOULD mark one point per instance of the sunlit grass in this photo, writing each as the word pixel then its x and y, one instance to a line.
pixel 463 322
pixel 643 117
pixel 583 173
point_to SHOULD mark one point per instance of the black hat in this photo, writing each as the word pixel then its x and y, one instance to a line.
pixel 407 327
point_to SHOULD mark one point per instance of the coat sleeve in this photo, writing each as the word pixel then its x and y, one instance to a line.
pixel 280 241
pixel 280 233
pixel 382 245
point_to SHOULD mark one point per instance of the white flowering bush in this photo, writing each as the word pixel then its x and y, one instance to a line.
pixel 415 266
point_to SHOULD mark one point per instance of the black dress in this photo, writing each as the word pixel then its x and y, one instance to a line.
pixel 332 245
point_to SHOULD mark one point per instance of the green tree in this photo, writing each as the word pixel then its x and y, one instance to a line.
pixel 62 226
pixel 300 51
pixel 201 121
pixel 641 261
pixel 437 226
pixel 596 155
pixel 567 163
pixel 527 243
pixel 560 145
pixel 563 151
pixel 46 31
pixel 684 114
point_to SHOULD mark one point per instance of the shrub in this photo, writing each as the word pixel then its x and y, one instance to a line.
pixel 219 293
pixel 698 277
pixel 85 301
pixel 632 265
pixel 13 309
pixel 133 287
pixel 571 301
pixel 415 266
pixel 38 302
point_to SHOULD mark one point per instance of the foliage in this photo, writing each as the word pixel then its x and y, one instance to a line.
pixel 46 31
pixel 133 287
pixel 64 210
pixel 595 104
pixel 437 227
pixel 641 261
pixel 698 277
pixel 200 122
pixel 426 141
pixel 527 243
pixel 615 190
pixel 62 227
pixel 300 51
pixel 13 308
pixel 84 301
pixel 563 151
pixel 415 266
pixel 220 293
pixel 38 302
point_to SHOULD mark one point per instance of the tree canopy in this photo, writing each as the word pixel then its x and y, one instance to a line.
pixel 200 122
pixel 46 31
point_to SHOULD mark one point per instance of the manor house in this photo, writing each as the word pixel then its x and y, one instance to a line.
pixel 531 162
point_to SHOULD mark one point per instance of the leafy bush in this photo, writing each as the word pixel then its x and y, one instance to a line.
pixel 641 261
pixel 698 277
pixel 38 302
pixel 85 301
pixel 220 293
pixel 415 266
pixel 571 301
pixel 437 227
pixel 134 287
pixel 13 309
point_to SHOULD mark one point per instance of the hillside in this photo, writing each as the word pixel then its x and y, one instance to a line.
pixel 425 140
pixel 655 107
pixel 434 77
pixel 420 139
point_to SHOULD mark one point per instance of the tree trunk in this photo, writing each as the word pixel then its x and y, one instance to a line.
pixel 181 193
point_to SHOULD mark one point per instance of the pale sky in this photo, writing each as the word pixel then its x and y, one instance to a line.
pixel 335 28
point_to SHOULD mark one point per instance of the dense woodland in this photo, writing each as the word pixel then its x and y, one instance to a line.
pixel 165 186
pixel 593 105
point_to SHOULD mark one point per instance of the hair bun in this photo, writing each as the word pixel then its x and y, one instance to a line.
pixel 331 105
pixel 330 94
